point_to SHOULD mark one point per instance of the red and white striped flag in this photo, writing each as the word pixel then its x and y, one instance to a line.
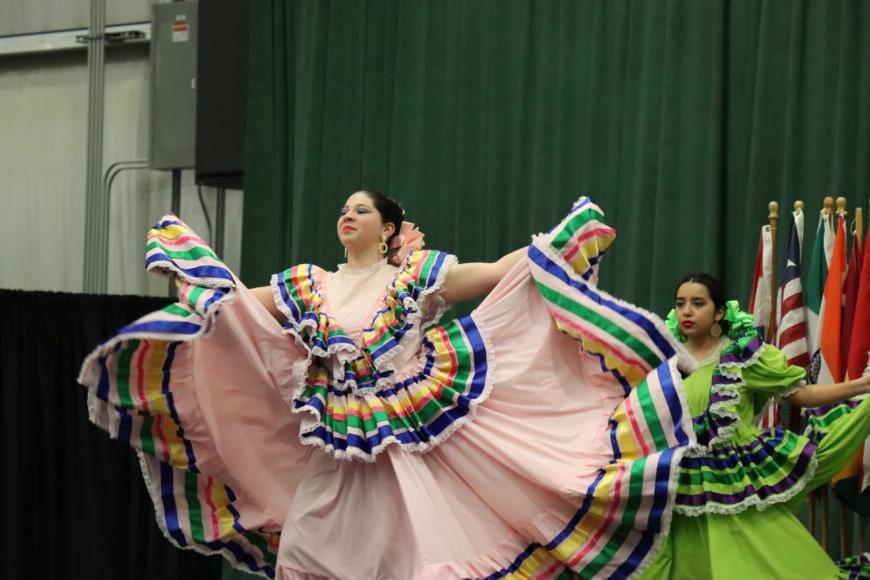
pixel 791 333
pixel 791 319
pixel 760 306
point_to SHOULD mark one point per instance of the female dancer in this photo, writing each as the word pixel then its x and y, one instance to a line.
pixel 342 432
pixel 736 490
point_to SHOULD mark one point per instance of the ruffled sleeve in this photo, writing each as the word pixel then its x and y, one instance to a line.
pixel 297 296
pixel 771 375
pixel 412 304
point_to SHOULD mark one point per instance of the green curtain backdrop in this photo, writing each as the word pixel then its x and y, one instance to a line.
pixel 487 118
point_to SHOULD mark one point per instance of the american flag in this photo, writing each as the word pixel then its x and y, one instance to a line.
pixel 791 320
pixel 791 334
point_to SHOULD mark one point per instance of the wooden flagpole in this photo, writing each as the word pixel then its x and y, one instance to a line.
pixel 773 218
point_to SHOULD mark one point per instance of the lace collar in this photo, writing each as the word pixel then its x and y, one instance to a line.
pixel 714 355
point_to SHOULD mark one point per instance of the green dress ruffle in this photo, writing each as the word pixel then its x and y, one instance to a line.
pixel 736 496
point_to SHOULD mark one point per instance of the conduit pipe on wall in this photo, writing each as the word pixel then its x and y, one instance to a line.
pixel 95 274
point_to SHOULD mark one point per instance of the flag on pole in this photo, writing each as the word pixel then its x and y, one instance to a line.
pixel 831 315
pixel 855 477
pixel 791 334
pixel 791 327
pixel 760 300
pixel 760 307
pixel 814 289
pixel 850 304
pixel 859 344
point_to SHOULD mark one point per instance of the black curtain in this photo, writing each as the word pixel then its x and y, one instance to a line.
pixel 73 501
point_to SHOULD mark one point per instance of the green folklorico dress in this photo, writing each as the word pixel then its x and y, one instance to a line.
pixel 737 490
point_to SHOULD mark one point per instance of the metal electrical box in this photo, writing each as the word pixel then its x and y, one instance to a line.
pixel 173 85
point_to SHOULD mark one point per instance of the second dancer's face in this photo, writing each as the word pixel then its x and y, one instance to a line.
pixel 696 311
pixel 360 225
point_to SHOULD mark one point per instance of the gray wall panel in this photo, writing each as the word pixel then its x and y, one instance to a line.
pixel 30 16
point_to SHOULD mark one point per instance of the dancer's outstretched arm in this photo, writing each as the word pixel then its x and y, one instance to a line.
pixel 821 395
pixel 475 279
pixel 463 282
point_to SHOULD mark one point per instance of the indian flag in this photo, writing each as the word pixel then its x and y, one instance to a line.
pixel 823 247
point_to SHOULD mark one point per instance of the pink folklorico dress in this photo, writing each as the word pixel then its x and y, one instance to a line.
pixel 361 438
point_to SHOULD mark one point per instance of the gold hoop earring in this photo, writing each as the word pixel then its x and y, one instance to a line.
pixel 383 248
pixel 716 330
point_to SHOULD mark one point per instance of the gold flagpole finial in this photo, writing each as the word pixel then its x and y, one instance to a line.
pixel 841 206
pixel 773 208
pixel 799 205
pixel 829 205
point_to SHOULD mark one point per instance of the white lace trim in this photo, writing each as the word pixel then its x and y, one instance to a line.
pixel 790 391
pixel 714 354
pixel 754 500
pixel 416 311
pixel 338 354
pixel 725 409
pixel 157 501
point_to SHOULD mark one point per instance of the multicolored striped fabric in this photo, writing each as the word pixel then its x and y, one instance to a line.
pixel 421 274
pixel 417 412
pixel 357 405
pixel 128 379
pixel 199 512
pixel 631 499
pixel 629 503
pixel 300 300
pixel 630 341
pixel 172 248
